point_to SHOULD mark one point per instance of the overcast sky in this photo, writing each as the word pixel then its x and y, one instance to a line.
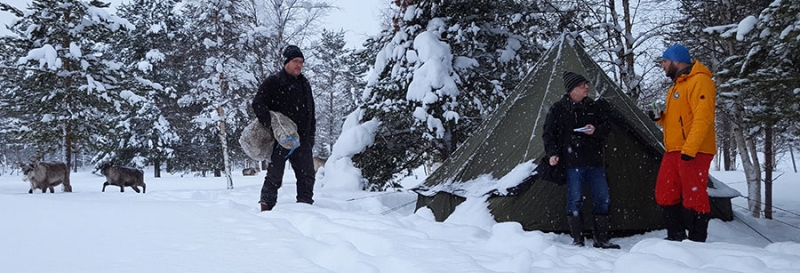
pixel 359 18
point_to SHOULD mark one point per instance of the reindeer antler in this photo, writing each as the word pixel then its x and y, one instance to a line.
pixel 39 155
pixel 16 148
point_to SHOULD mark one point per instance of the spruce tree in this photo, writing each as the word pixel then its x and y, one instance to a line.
pixel 222 91
pixel 8 72
pixel 766 83
pixel 714 51
pixel 69 94
pixel 440 70
pixel 153 53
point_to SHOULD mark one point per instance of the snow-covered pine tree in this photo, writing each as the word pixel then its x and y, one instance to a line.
pixel 713 51
pixel 690 30
pixel 494 45
pixel 8 72
pixel 763 86
pixel 222 92
pixel 335 77
pixel 153 52
pixel 439 72
pixel 70 94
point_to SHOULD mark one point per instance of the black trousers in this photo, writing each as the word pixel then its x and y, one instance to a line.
pixel 303 165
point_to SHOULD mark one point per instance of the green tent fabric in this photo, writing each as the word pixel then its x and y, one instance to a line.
pixel 505 150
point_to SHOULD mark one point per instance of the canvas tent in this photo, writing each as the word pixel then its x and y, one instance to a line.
pixel 504 151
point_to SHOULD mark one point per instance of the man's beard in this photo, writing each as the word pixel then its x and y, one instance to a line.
pixel 671 71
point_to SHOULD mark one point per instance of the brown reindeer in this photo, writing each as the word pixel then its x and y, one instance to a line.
pixel 46 175
pixel 123 177
pixel 319 162
pixel 250 171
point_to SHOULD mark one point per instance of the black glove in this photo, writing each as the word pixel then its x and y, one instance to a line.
pixel 652 115
pixel 686 157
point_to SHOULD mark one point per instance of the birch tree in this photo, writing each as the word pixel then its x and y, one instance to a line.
pixel 216 26
pixel 271 25
pixel 624 35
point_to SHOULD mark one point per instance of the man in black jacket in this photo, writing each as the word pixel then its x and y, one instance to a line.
pixel 575 132
pixel 288 92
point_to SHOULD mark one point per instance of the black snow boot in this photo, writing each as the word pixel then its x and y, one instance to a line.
pixel 601 227
pixel 697 224
pixel 576 229
pixel 674 222
pixel 265 207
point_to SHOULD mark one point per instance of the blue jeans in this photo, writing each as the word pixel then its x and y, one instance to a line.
pixel 595 179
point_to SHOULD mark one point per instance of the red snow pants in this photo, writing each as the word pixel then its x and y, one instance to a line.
pixel 684 182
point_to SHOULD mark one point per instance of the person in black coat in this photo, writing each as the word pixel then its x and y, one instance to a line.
pixel 288 92
pixel 575 132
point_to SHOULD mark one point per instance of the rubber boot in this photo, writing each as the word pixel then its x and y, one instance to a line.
pixel 674 222
pixel 601 227
pixel 698 231
pixel 576 229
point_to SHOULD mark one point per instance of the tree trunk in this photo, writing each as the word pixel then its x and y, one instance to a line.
pixel 624 47
pixel 68 102
pixel 751 172
pixel 223 135
pixel 223 138
pixel 331 117
pixel 75 160
pixel 728 144
pixel 630 77
pixel 157 168
pixel 768 166
pixel 791 153
pixel 68 144
pixel 756 183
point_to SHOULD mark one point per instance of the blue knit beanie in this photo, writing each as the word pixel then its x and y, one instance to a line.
pixel 677 53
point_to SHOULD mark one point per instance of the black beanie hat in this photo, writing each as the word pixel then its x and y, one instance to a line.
pixel 291 52
pixel 572 80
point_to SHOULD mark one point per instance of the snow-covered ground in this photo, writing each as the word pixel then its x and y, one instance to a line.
pixel 193 224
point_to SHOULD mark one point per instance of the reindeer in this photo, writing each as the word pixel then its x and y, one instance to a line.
pixel 319 162
pixel 123 177
pixel 250 171
pixel 46 175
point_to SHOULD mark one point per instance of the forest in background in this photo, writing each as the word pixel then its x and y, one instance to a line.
pixel 166 85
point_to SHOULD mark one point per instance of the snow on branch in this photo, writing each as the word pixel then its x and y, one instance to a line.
pixel 47 56
pixel 112 22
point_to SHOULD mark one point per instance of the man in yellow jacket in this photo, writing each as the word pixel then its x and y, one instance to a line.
pixel 690 143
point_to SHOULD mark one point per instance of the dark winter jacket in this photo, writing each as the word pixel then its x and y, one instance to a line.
pixel 576 149
pixel 291 96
